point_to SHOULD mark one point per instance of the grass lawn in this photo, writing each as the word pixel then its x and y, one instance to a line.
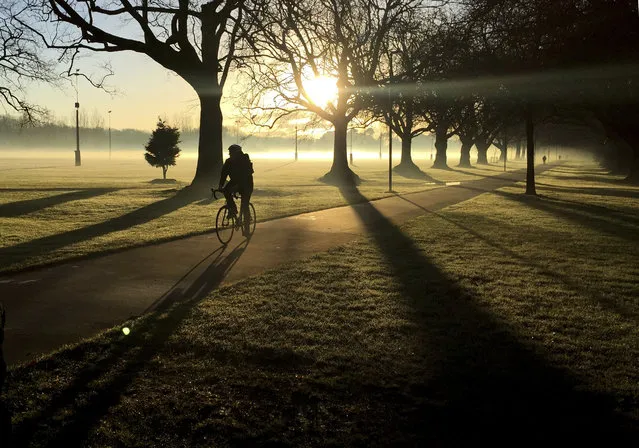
pixel 50 212
pixel 503 320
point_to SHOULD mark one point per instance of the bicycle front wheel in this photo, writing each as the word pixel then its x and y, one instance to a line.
pixel 224 225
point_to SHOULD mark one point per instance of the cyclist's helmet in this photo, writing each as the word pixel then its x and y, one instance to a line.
pixel 235 149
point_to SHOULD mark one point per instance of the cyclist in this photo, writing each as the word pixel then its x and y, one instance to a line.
pixel 239 168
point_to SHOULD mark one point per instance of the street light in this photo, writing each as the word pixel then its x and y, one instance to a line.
pixel 78 159
pixel 351 158
pixel 109 135
pixel 390 128
pixel 505 149
pixel 296 142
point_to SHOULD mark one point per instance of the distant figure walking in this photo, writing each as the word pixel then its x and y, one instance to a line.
pixel 543 159
pixel 239 168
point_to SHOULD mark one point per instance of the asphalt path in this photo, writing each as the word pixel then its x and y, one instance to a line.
pixel 61 304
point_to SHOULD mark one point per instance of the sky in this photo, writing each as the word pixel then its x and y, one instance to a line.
pixel 144 91
pixel 143 88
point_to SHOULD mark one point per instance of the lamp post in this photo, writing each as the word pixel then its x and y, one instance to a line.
pixel 505 149
pixel 109 135
pixel 351 155
pixel 78 159
pixel 296 142
pixel 390 127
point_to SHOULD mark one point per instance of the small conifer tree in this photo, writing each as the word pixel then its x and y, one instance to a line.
pixel 162 148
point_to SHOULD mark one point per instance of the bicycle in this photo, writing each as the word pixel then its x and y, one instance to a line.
pixel 226 224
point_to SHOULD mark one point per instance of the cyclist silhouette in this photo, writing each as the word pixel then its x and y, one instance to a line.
pixel 239 168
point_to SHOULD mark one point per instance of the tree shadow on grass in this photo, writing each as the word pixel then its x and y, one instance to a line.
pixel 593 175
pixel 19 253
pixel 278 167
pixel 19 208
pixel 412 171
pixel 112 367
pixel 506 176
pixel 592 216
pixel 613 192
pixel 594 296
pixel 487 386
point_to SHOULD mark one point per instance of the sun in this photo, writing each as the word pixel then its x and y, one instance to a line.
pixel 321 90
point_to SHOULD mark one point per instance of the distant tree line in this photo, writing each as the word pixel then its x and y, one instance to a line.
pixel 14 134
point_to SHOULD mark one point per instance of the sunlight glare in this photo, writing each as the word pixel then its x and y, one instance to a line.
pixel 321 90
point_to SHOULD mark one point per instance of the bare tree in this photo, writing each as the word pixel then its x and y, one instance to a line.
pixel 400 107
pixel 194 39
pixel 300 40
pixel 21 63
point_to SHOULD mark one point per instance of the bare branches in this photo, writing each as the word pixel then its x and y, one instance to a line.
pixel 333 38
pixel 169 31
pixel 21 64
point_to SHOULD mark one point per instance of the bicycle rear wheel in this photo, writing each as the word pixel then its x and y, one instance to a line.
pixel 224 225
pixel 251 223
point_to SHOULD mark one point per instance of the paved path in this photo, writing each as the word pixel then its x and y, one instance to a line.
pixel 49 307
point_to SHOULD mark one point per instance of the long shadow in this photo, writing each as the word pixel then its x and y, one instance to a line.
pixel 414 172
pixel 614 192
pixel 579 213
pixel 507 175
pixel 628 218
pixel 278 167
pixel 486 385
pixel 582 172
pixel 20 252
pixel 592 295
pixel 67 420
pixel 13 209
pixel 593 176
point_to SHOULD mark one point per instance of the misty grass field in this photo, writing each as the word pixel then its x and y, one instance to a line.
pixel 505 320
pixel 51 211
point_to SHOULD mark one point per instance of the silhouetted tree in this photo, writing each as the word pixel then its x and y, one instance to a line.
pixel 467 129
pixel 400 103
pixel 162 148
pixel 298 40
pixel 21 63
pixel 579 54
pixel 194 39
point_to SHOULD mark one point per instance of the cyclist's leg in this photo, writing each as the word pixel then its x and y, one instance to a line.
pixel 246 192
pixel 228 190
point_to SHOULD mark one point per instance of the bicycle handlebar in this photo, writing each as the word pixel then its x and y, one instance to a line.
pixel 215 192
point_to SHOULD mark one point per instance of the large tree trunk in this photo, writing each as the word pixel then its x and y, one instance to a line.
pixel 464 160
pixel 530 142
pixel 441 145
pixel 407 144
pixel 210 151
pixel 340 173
pixel 206 84
pixel 633 176
pixel 482 152
pixel 406 166
pixel 621 127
